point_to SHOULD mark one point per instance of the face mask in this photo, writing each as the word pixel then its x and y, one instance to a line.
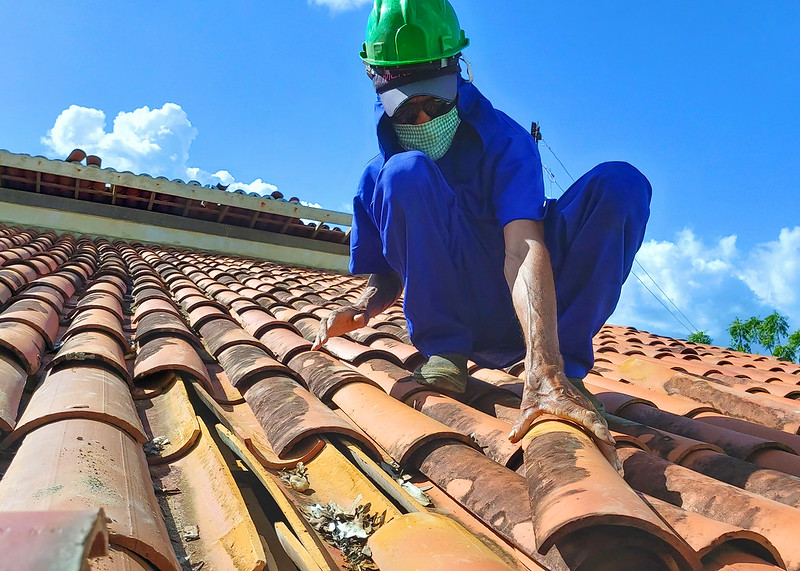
pixel 432 138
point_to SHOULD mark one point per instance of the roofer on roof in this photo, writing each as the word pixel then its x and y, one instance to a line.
pixel 452 211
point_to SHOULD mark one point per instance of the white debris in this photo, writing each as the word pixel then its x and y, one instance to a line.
pixel 297 478
pixel 191 533
pixel 155 446
pixel 415 492
pixel 347 529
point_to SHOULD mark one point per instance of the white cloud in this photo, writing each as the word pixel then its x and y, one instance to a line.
pixel 712 283
pixel 258 186
pixel 340 5
pixel 311 205
pixel 151 141
pixel 773 272
pixel 154 141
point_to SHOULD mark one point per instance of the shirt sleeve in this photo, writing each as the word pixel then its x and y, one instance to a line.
pixel 366 247
pixel 518 184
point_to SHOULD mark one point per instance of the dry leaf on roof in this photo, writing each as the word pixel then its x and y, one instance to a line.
pixel 414 491
pixel 347 529
pixel 297 478
pixel 396 472
pixel 155 446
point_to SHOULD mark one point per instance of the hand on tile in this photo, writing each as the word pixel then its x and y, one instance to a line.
pixel 552 393
pixel 338 322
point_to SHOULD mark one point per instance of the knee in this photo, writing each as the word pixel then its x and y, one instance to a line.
pixel 622 190
pixel 408 178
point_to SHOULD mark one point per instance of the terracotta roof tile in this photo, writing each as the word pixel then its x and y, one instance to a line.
pixel 98 320
pixel 44 293
pixel 52 539
pixel 572 487
pixel 489 491
pixel 323 374
pixel 210 502
pixel 397 428
pixel 60 282
pixel 737 444
pixel 93 346
pixel 706 535
pixel 289 413
pixel 240 420
pixel 101 300
pixel 459 549
pixel 161 324
pixel 170 423
pixel 490 433
pixel 24 342
pixel 12 384
pixel 168 354
pixel 777 460
pixel 222 334
pixel 697 413
pixel 84 391
pixel 245 364
pixel 672 447
pixel 119 559
pixel 83 464
pixel 284 343
pixel 771 484
pixel 714 499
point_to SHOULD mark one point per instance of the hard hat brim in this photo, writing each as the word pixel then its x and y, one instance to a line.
pixel 444 87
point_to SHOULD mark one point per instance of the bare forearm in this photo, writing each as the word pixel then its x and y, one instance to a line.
pixel 382 291
pixel 547 389
pixel 530 278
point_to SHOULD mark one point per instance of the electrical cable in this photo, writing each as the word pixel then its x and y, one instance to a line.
pixel 689 321
pixel 693 329
pixel 559 160
pixel 659 300
pixel 552 178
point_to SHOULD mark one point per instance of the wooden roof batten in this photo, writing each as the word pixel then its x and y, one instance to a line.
pixel 29 206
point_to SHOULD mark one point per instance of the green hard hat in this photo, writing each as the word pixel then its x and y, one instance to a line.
pixel 402 32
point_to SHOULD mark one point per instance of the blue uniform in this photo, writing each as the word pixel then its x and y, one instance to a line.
pixel 440 227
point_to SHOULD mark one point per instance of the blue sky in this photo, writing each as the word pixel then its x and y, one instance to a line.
pixel 703 99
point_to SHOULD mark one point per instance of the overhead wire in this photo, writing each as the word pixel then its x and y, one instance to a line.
pixel 689 321
pixel 690 327
pixel 559 160
pixel 552 178
pixel 664 305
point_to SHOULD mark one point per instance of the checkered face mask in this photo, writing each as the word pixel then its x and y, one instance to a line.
pixel 432 138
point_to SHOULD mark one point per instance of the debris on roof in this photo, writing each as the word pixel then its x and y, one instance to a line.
pixel 348 529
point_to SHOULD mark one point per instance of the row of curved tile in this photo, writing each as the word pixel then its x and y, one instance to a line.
pixel 81 436
pixel 164 347
pixel 255 321
pixel 302 308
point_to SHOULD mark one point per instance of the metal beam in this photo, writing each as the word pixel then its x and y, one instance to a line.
pixel 146 182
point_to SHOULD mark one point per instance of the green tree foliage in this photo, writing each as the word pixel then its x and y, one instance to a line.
pixel 699 337
pixel 768 332
pixel 743 334
pixel 790 351
pixel 771 329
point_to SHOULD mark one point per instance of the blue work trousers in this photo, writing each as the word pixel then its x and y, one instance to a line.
pixel 451 261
